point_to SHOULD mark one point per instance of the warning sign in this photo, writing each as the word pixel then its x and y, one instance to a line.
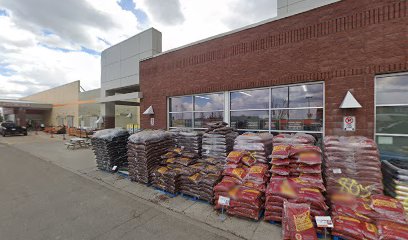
pixel 349 123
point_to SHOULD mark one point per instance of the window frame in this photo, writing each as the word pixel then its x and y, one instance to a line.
pixel 227 108
pixel 376 78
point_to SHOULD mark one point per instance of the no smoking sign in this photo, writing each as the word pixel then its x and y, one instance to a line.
pixel 349 123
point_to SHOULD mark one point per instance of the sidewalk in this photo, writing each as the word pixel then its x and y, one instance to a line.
pixel 82 162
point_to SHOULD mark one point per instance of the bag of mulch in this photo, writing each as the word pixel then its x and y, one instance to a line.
pixel 280 170
pixel 392 231
pixel 304 168
pixel 347 227
pixel 249 196
pixel 370 231
pixel 388 208
pixel 225 185
pixel 248 160
pixel 281 151
pixel 257 173
pixel 312 177
pixel 310 158
pixel 235 156
pixel 312 196
pixel 297 149
pixel 280 161
pixel 238 173
pixel 254 185
pixel 280 187
pixel 299 183
pixel 297 223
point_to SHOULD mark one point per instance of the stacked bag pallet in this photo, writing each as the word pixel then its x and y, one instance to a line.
pixel 395 174
pixel 353 177
pixel 352 164
pixel 245 175
pixel 188 140
pixel 296 177
pixel 109 147
pixel 144 151
pixel 374 217
pixel 218 141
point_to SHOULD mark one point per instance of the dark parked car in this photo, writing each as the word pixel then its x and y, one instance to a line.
pixel 10 128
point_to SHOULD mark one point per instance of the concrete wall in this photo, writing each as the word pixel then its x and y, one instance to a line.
pixel 120 63
pixel 89 109
pixel 344 44
pixel 64 100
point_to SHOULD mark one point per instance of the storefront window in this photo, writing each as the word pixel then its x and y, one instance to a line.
pixel 181 120
pixel 281 109
pixel 201 119
pixel 306 95
pixel 250 99
pixel 181 104
pixel 392 115
pixel 196 111
pixel 209 102
pixel 250 120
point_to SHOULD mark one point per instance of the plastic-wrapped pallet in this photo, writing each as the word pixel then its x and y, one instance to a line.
pixel 258 144
pixel 395 174
pixel 352 164
pixel 218 141
pixel 296 176
pixel 109 147
pixel 144 151
pixel 188 140
pixel 244 182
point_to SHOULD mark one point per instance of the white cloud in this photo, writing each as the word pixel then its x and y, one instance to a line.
pixel 42 41
pixel 203 19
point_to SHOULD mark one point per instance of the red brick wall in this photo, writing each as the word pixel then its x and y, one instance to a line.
pixel 344 44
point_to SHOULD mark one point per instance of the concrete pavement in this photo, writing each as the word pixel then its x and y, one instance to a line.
pixel 81 162
pixel 39 200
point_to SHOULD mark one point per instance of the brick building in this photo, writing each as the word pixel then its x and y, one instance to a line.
pixel 291 75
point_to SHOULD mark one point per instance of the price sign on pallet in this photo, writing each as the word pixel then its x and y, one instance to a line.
pixel 224 201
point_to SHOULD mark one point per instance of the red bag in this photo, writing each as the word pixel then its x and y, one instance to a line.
pixel 255 205
pixel 310 158
pixel 304 168
pixel 254 185
pixel 238 173
pixel 249 196
pixel 346 226
pixel 281 151
pixel 257 173
pixel 299 183
pixel 312 196
pixel 248 160
pixel 388 208
pixel 297 223
pixel 280 161
pixel 348 211
pixel 235 156
pixel 280 170
pixel 312 177
pixel 282 188
pixel 297 149
pixel 392 230
pixel 224 186
pixel 370 231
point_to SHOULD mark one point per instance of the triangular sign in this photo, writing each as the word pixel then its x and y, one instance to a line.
pixel 149 111
pixel 99 121
pixel 350 101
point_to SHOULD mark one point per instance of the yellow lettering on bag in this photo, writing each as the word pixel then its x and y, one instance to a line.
pixel 384 203
pixel 256 169
pixel 349 219
pixel 302 221
pixel 371 227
